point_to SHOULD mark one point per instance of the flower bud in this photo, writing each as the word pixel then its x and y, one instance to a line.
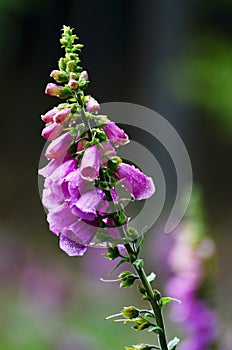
pixel 141 324
pixel 70 65
pixel 130 312
pixel 62 63
pixel 59 147
pixel 53 89
pixel 90 163
pixel 48 117
pixel 92 105
pixel 113 253
pixel 62 115
pixel 73 84
pixel 131 233
pixel 60 77
pixel 127 278
pixel 84 75
pixel 52 131
pixel 115 134
pixel 72 75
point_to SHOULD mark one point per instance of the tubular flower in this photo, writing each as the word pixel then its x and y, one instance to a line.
pixel 59 147
pixel 75 238
pixel 92 105
pixel 56 115
pixel 53 90
pixel 52 131
pixel 62 115
pixel 139 185
pixel 116 135
pixel 90 163
pixel 48 117
pixel 89 204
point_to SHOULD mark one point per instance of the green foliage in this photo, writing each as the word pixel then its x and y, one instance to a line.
pixel 205 77
pixel 166 300
pixel 172 345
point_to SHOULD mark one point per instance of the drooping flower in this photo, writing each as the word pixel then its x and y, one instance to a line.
pixel 84 75
pixel 56 179
pixel 62 115
pixel 90 163
pixel 53 165
pixel 52 131
pixel 75 238
pixel 60 217
pixel 53 89
pixel 59 147
pixel 48 117
pixel 116 135
pixel 73 84
pixel 89 204
pixel 139 185
pixel 74 185
pixel 92 105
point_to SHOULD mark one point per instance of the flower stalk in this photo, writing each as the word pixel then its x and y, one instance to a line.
pixel 81 183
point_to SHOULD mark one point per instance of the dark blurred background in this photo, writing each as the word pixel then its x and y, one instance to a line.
pixel 172 56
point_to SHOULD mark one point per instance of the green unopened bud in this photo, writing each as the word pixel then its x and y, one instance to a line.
pixel 65 92
pixel 141 289
pixel 62 63
pixel 113 253
pixel 70 65
pixel 60 77
pixel 132 234
pixel 113 162
pixel 127 278
pixel 141 324
pixel 157 294
pixel 130 312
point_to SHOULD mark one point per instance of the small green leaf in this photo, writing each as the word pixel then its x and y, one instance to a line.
pixel 166 300
pixel 173 343
pixel 138 263
pixel 117 266
pixel 141 242
pixel 156 329
pixel 151 277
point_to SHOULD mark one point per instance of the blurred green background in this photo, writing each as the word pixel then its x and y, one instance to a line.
pixel 172 56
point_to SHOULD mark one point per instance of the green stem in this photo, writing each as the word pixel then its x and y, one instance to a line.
pixel 152 299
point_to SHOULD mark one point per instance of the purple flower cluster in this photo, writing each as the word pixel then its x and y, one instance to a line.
pixel 84 171
pixel 70 194
pixel 186 262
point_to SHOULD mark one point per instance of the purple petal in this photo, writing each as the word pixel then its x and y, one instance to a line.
pixel 138 184
pixel 90 163
pixel 87 206
pixel 107 150
pixel 52 131
pixel 73 185
pixel 115 134
pixel 75 238
pixel 59 147
pixel 53 165
pixel 60 217
pixel 71 247
pixel 50 199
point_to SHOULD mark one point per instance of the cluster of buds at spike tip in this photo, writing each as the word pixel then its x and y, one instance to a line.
pixel 84 173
